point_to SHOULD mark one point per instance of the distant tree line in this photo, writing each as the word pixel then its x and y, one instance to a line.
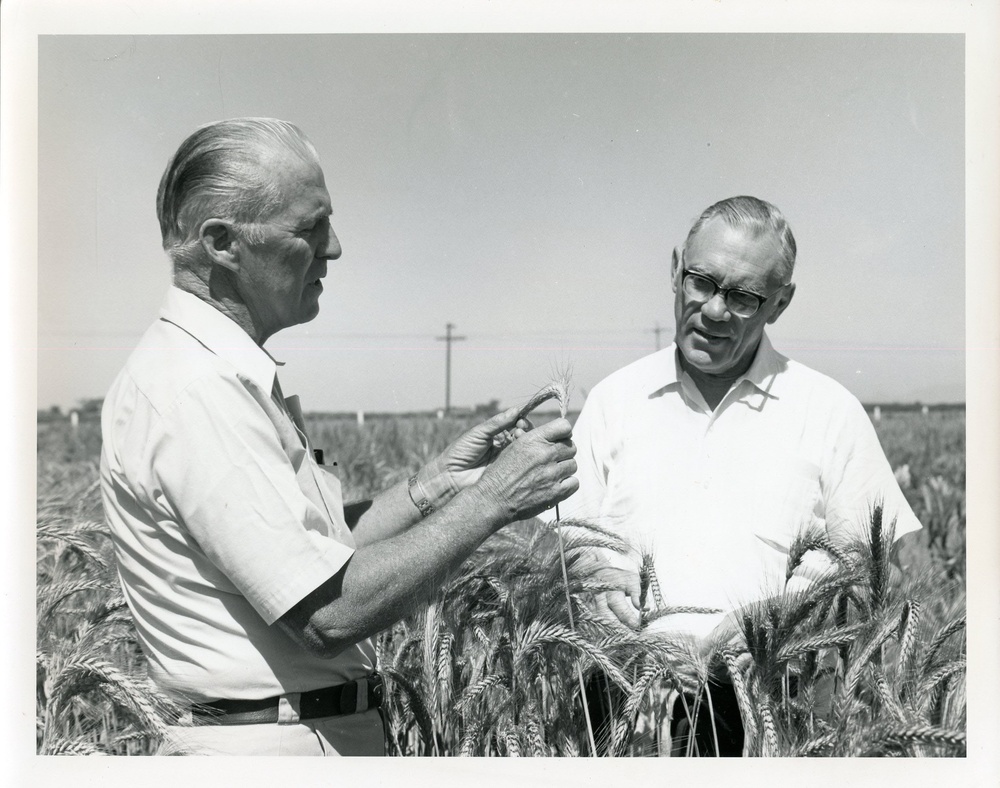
pixel 90 410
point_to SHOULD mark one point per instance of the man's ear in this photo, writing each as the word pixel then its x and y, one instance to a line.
pixel 782 303
pixel 220 243
pixel 675 265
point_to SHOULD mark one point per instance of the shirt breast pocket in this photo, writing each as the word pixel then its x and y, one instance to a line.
pixel 329 466
pixel 329 486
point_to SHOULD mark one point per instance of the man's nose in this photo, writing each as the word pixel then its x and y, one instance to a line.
pixel 329 248
pixel 715 308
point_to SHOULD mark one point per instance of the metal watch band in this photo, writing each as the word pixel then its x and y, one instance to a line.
pixel 423 505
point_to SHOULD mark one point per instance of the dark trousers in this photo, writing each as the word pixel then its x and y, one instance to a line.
pixel 605 701
pixel 728 728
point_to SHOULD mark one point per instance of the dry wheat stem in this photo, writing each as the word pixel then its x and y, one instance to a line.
pixel 908 637
pixel 945 671
pixel 939 640
pixel 579 669
pixel 885 695
pixel 742 694
pixel 770 741
pixel 818 746
pixel 558 389
pixel 855 671
pixel 918 734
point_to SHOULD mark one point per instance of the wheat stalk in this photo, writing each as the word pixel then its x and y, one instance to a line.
pixel 511 740
pixel 411 698
pixel 559 390
pixel 916 734
pixel 679 609
pixel 50 597
pixel 860 663
pixel 908 637
pixel 648 582
pixel 882 690
pixel 841 636
pixel 818 746
pixel 533 733
pixel 742 695
pixel 474 691
pixel 939 639
pixel 74 747
pixel 812 540
pixel 469 739
pixel 770 741
pixel 945 671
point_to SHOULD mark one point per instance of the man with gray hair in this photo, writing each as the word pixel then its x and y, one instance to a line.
pixel 255 591
pixel 714 453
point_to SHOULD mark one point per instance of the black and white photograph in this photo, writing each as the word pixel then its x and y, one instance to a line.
pixel 505 384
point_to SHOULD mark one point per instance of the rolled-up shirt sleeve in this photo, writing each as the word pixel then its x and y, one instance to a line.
pixel 219 466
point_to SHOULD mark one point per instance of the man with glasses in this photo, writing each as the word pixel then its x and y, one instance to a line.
pixel 714 453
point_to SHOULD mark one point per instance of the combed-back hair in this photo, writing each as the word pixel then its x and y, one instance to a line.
pixel 218 172
pixel 756 217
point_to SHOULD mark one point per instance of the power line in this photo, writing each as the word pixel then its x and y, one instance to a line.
pixel 541 332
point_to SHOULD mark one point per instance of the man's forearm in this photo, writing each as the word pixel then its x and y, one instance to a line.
pixel 393 510
pixel 389 513
pixel 354 511
pixel 395 567
pixel 386 579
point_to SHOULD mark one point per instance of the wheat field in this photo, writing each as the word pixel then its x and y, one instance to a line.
pixel 866 663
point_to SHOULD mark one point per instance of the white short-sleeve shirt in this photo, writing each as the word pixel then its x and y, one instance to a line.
pixel 221 519
pixel 718 496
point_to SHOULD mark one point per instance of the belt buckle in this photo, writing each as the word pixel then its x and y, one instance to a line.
pixel 376 690
pixel 350 697
pixel 288 709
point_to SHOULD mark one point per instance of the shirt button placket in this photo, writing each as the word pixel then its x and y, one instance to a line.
pixel 701 474
pixel 707 474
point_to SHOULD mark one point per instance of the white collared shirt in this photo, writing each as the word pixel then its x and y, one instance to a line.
pixel 220 517
pixel 718 496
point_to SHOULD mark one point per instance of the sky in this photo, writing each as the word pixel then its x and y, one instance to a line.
pixel 527 188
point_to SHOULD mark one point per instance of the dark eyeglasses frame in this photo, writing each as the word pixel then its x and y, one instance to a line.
pixel 761 299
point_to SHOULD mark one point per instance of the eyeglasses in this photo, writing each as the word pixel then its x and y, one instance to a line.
pixel 741 303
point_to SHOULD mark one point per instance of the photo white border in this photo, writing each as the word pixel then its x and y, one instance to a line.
pixel 24 20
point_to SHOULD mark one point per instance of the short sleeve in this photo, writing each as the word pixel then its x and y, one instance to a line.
pixel 218 464
pixel 857 477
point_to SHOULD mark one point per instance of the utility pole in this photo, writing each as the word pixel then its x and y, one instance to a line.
pixel 448 338
pixel 657 332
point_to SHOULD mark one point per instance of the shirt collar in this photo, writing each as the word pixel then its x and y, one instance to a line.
pixel 766 365
pixel 220 334
pixel 764 369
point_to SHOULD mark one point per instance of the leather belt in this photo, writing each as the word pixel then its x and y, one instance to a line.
pixel 353 697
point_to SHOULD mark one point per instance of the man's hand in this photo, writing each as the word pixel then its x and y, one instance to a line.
pixel 533 473
pixel 461 464
pixel 725 633
pixel 619 606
